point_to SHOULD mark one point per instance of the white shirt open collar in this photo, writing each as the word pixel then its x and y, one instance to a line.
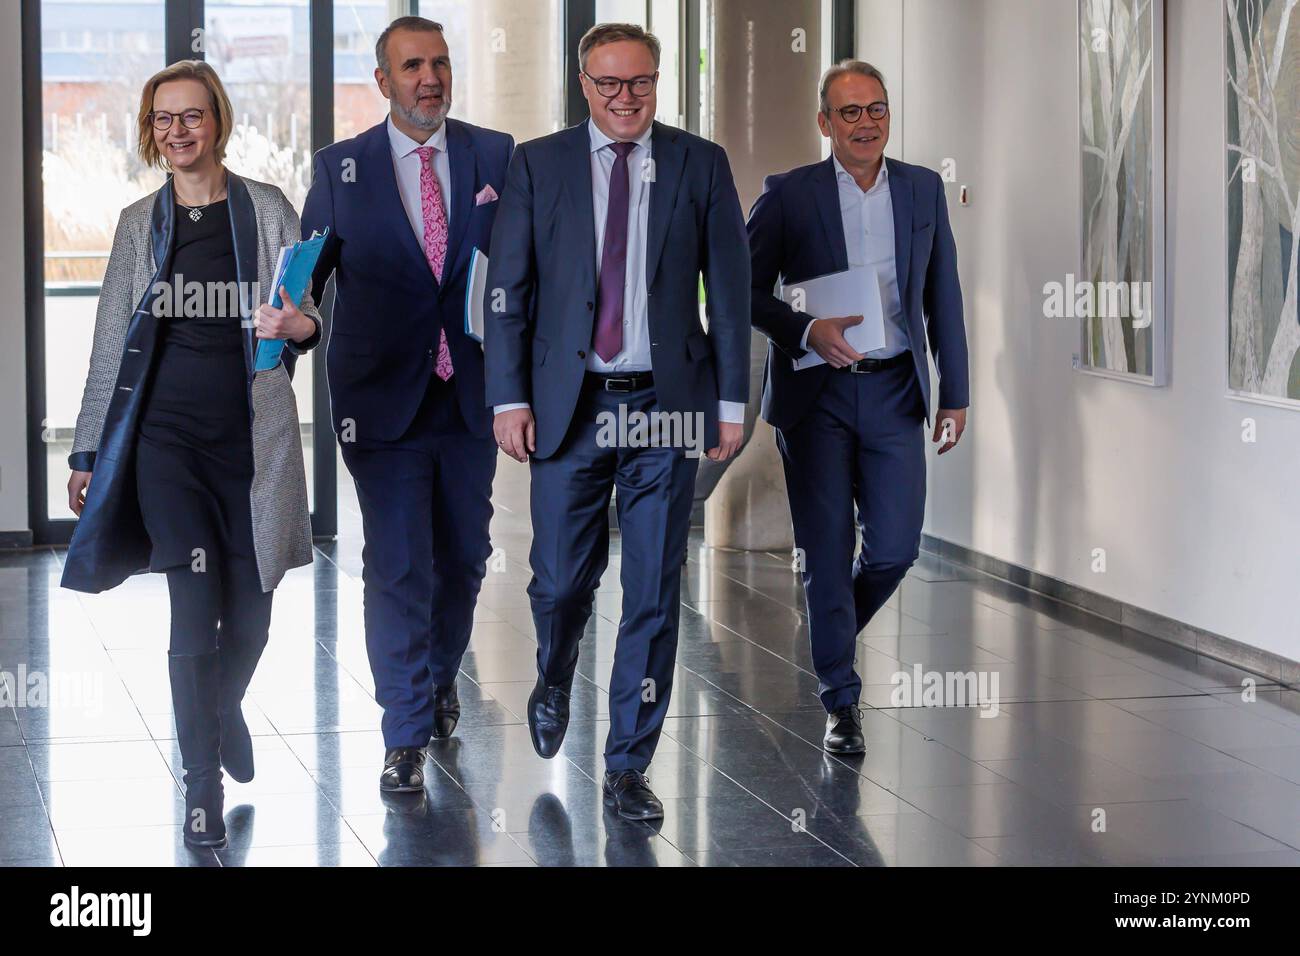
pixel 403 145
pixel 843 175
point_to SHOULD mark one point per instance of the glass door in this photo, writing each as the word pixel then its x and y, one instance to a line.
pixel 94 59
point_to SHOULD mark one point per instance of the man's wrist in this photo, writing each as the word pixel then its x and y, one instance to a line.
pixel 803 342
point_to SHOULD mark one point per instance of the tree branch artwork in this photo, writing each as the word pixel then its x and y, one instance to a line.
pixel 1115 62
pixel 1263 89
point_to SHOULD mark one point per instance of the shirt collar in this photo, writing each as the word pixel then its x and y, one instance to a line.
pixel 599 140
pixel 403 145
pixel 843 175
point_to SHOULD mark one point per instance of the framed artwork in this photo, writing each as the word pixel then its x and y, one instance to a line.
pixel 1262 135
pixel 1119 294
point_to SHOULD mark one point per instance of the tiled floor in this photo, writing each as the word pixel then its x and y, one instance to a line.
pixel 1107 747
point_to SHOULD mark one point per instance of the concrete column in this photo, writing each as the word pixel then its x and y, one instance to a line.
pixel 764 60
pixel 512 83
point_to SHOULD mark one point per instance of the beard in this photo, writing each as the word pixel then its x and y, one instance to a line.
pixel 426 119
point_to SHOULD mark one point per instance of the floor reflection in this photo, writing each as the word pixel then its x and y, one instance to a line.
pixel 1091 717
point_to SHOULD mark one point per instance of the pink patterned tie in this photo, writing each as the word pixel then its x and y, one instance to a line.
pixel 435 241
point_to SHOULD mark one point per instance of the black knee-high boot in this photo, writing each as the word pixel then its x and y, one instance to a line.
pixel 239 654
pixel 195 682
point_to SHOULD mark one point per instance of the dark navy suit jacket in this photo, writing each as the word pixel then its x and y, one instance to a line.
pixel 388 308
pixel 796 233
pixel 543 262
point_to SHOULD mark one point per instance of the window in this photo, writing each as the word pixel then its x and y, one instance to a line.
pixel 262 52
pixel 95 58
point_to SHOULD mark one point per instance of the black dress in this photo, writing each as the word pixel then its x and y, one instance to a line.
pixel 194 454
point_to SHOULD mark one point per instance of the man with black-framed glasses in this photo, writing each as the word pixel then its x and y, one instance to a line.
pixel 850 429
pixel 593 320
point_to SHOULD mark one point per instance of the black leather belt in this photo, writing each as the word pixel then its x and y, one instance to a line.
pixel 868 365
pixel 615 382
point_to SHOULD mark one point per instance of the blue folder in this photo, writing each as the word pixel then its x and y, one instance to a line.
pixel 296 265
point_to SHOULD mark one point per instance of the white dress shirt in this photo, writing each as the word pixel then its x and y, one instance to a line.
pixel 406 164
pixel 868 220
pixel 635 356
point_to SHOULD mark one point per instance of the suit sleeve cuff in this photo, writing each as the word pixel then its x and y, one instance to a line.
pixel 82 461
pixel 733 412
pixel 307 344
pixel 498 409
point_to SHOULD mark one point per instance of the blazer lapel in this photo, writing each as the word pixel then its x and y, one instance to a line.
pixel 162 226
pixel 668 158
pixel 377 159
pixel 900 197
pixel 464 174
pixel 826 195
pixel 243 231
pixel 580 216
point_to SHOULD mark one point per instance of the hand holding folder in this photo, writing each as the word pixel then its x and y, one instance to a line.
pixel 856 291
pixel 292 273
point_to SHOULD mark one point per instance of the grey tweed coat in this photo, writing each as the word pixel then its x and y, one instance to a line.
pixel 110 542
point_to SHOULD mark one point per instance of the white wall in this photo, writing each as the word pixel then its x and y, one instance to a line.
pixel 13 357
pixel 1196 524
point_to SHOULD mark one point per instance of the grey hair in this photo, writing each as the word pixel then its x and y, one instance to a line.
pixel 844 68
pixel 418 24
pixel 603 33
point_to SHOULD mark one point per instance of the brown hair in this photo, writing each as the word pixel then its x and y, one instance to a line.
pixel 222 113
pixel 603 33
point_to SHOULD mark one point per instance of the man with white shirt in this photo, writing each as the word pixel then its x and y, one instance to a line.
pixel 406 203
pixel 593 320
pixel 851 428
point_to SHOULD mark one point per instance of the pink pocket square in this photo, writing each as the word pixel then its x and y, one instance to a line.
pixel 486 194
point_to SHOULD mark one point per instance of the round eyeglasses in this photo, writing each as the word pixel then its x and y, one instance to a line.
pixel 162 120
pixel 611 86
pixel 853 112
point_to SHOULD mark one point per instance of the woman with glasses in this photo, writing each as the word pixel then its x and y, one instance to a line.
pixel 185 460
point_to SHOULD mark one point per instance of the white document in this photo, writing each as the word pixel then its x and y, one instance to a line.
pixel 855 291
pixel 475 286
pixel 279 273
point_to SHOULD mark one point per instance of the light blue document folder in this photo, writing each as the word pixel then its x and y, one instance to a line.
pixel 294 273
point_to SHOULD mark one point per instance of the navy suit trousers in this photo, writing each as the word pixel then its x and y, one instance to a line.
pixel 426 502
pixel 570 510
pixel 861 445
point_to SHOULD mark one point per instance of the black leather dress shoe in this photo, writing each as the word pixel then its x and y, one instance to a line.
pixel 446 711
pixel 548 718
pixel 628 791
pixel 403 770
pixel 844 732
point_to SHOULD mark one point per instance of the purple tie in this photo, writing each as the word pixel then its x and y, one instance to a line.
pixel 608 337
